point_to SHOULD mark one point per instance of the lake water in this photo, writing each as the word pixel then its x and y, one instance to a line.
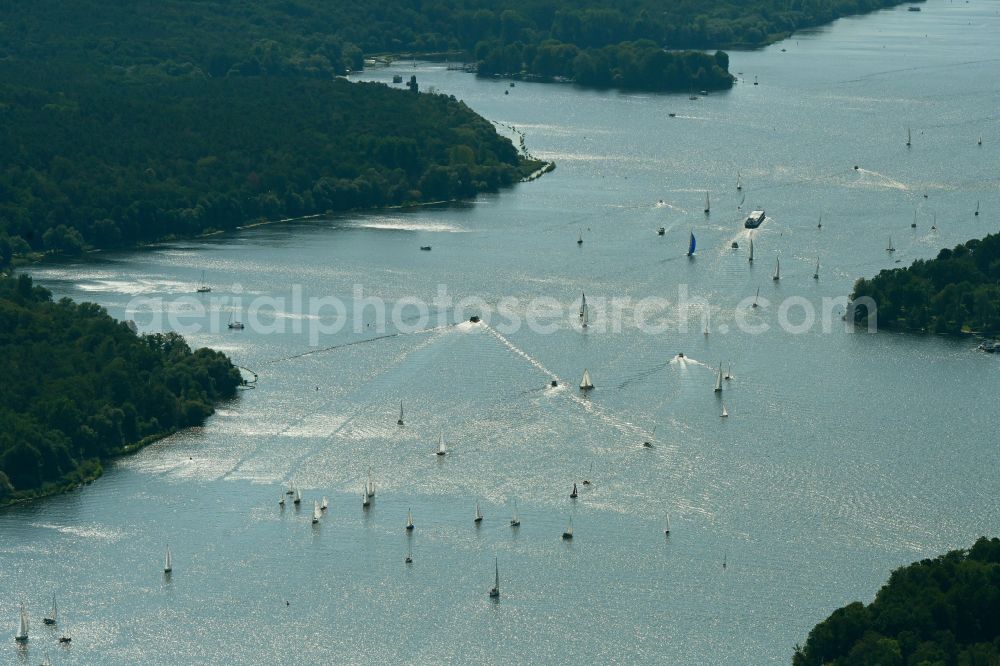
pixel 845 455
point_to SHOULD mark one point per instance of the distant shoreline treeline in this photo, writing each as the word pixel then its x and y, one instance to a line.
pixel 943 611
pixel 81 387
pixel 956 292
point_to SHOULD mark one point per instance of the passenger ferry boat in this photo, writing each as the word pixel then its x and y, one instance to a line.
pixel 754 219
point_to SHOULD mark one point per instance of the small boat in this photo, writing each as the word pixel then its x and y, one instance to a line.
pixel 579 238
pixel 586 316
pixel 725 556
pixel 366 499
pixel 573 493
pixel 735 245
pixel 495 590
pixel 754 219
pixel 281 500
pixel 816 273
pixel 585 383
pixel 890 248
pixel 515 520
pixel 729 373
pixel 666 530
pixel 442 449
pixel 724 413
pixel 235 325
pixel 399 421
pixel 980 140
pixel 298 497
pixel 568 532
pixel 648 444
pixel 755 79
pixel 755 298
pixel 819 223
pixel 913 225
pixel 718 380
pixel 913 8
pixel 317 512
pixel 691 245
pixel 409 557
pixel 371 484
pixel 908 137
pixel 325 504
pixel 672 114
pixel 708 207
pixel 934 223
pixel 777 270
pixel 203 287
pixel 22 631
pixel 751 251
pixel 739 185
pixel 409 520
pixel 661 231
pixel 168 566
pixel 53 614
pixel 425 248
pixel 479 515
pixel 977 208
pixel 583 304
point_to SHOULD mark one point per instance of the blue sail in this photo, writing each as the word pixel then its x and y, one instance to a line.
pixel 692 245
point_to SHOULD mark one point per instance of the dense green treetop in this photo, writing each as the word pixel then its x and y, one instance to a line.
pixel 934 612
pixel 79 386
pixel 957 291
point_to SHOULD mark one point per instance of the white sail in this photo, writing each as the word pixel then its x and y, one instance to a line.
pixel 325 503
pixel 298 496
pixel 167 564
pixel 909 136
pixel 585 383
pixel 53 615
pixel 890 248
pixel 718 380
pixel 409 519
pixel 22 631
pixel 515 520
pixel 479 514
pixel 777 269
pixel 585 315
pixel 707 206
pixel 442 449
pixel 667 529
pixel 317 512
pixel 724 412
pixel 496 579
pixel 371 484
pixel 751 250
pixel 365 501
pixel 400 421
pixel 583 305
pixel 816 274
pixel 569 527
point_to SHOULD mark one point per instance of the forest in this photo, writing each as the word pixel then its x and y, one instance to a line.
pixel 956 292
pixel 81 387
pixel 934 612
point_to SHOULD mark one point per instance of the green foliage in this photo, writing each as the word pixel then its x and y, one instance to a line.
pixel 81 386
pixel 959 290
pixel 940 611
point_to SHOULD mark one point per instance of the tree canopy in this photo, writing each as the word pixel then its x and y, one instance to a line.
pixel 934 612
pixel 80 386
pixel 957 291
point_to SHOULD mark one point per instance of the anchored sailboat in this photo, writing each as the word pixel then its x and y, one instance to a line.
pixel 819 224
pixel 691 245
pixel 203 287
pixel 579 239
pixel 585 383
pixel 53 614
pixel 495 590
pixel 22 631
pixel 568 532
pixel 167 564
pixel 586 481
pixel 479 515
pixel 777 270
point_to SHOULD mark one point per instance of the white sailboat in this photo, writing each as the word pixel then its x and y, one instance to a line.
pixel 909 136
pixel 409 520
pixel 977 208
pixel 479 515
pixel 325 504
pixel 53 614
pixel 167 564
pixel 583 304
pixel 281 500
pixel 819 224
pixel 751 251
pixel 649 442
pixel 729 373
pixel 298 497
pixel 586 316
pixel 495 590
pixel 235 325
pixel 568 532
pixel 400 420
pixel 365 498
pixel 442 450
pixel 739 185
pixel 816 274
pixel 724 414
pixel 585 383
pixel 371 484
pixel 573 493
pixel 515 520
pixel 586 481
pixel 22 631
pixel 317 512
pixel 64 636
pixel 890 248
pixel 756 298
pixel 707 206
pixel 579 238
pixel 203 287
pixel 777 270
pixel 718 380
pixel 666 530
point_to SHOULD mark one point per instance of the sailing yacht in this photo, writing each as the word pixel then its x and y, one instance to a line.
pixel 977 208
pixel 409 520
pixel 691 245
pixel 729 373
pixel 298 497
pixel 479 515
pixel 22 631
pixel 579 239
pixel 167 564
pixel 573 493
pixel 53 614
pixel 515 520
pixel 913 225
pixel 908 137
pixel 441 447
pixel 281 500
pixel 409 554
pixel 585 316
pixel 666 530
pixel 325 504
pixel 724 413
pixel 317 512
pixel 495 590
pixel 718 380
pixel 739 185
pixel 568 532
pixel 819 224
pixel 371 484
pixel 890 248
pixel 751 251
pixel 755 298
pixel 707 206
pixel 816 274
pixel 583 305
pixel 235 325
pixel 777 270
pixel 649 442
pixel 365 498
pixel 586 481
pixel 203 287
pixel 585 383
pixel 400 420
